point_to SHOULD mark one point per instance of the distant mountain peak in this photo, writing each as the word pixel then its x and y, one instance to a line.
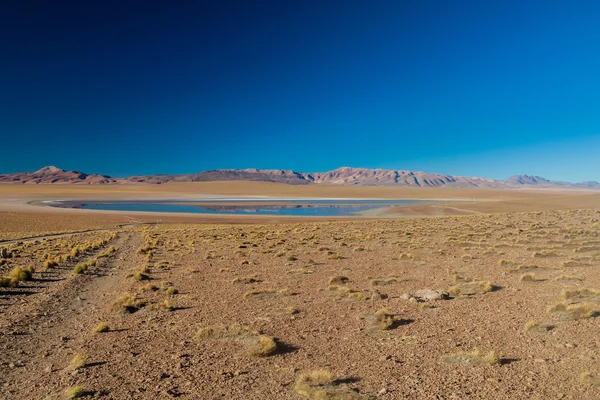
pixel 50 169
pixel 527 179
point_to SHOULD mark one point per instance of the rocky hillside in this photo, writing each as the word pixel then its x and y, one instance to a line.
pixel 340 176
pixel 56 175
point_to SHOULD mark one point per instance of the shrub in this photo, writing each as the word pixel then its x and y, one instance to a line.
pixel 321 385
pixel 257 344
pixel 19 274
pixel 127 303
pixel 77 362
pixel 101 328
pixel 572 312
pixel 470 288
pixel 171 290
pixel 337 280
pixel 75 392
pixel 6 281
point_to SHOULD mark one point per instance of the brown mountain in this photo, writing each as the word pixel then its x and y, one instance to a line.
pixel 281 176
pixel 340 176
pixel 52 174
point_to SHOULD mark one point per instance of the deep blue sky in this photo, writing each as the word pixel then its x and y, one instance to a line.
pixel 487 88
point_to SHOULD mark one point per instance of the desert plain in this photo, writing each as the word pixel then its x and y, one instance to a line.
pixel 496 297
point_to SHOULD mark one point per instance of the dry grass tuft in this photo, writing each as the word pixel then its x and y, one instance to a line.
pixel 75 392
pixel 572 312
pixel 528 277
pixel 320 384
pixel 345 293
pixel 126 303
pixel 583 294
pixel 566 278
pixel 383 281
pixel 101 328
pixel 171 291
pixel 140 276
pixel 471 288
pixel 384 320
pixel 245 280
pixel 77 362
pixel 533 326
pixel 6 281
pixel 544 254
pixel 257 344
pixel 18 274
pixel 260 293
pixel 337 280
pixel 475 357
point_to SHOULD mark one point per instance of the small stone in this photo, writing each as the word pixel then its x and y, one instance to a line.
pixel 382 392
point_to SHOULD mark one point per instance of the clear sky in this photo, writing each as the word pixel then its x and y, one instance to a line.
pixel 478 88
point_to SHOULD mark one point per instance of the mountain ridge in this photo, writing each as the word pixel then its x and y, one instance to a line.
pixel 338 176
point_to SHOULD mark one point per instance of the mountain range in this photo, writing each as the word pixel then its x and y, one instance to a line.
pixel 340 176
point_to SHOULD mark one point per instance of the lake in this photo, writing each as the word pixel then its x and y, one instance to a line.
pixel 312 207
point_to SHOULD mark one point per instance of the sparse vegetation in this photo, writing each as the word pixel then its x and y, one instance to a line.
pixel 320 384
pixel 471 288
pixel 75 392
pixel 257 344
pixel 572 312
pixel 77 362
pixel 101 328
pixel 18 274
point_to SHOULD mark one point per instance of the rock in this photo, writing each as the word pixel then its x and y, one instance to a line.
pixel 405 296
pixel 382 392
pixel 429 294
pixel 378 296
pixel 4 253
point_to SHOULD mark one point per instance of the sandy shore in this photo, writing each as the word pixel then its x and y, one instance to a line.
pixel 21 212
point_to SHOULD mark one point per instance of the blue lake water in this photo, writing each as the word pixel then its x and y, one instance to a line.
pixel 321 207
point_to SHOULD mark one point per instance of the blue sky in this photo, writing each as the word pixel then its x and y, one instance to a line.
pixel 477 88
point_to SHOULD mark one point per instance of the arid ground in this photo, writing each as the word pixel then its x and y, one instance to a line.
pixel 496 298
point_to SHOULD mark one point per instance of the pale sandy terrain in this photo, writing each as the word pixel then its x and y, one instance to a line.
pixel 236 287
pixel 215 307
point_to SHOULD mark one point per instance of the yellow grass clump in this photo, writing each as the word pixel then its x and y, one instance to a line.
pixel 101 328
pixel 528 277
pixel 77 362
pixel 572 312
pixel 337 280
pixel 471 288
pixel 259 293
pixel 126 303
pixel 19 274
pixel 383 281
pixel 75 392
pixel 533 326
pixel 320 384
pixel 257 344
pixel 584 294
